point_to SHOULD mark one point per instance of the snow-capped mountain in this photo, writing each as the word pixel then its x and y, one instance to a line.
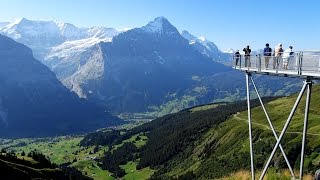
pixel 141 65
pixel 102 32
pixel 70 32
pixel 34 33
pixel 63 47
pixel 206 47
pixel 2 24
pixel 68 57
pixel 45 37
pixel 229 51
pixel 160 26
pixel 43 31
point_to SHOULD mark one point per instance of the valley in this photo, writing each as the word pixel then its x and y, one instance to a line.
pixel 194 143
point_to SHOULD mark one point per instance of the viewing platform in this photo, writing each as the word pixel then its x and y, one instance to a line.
pixel 300 64
pixel 304 64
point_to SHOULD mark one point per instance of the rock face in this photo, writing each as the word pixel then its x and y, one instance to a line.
pixel 33 102
pixel 147 64
pixel 207 48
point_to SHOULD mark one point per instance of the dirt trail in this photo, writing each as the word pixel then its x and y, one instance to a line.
pixel 268 128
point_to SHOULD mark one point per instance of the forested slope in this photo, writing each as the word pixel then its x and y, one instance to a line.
pixel 211 141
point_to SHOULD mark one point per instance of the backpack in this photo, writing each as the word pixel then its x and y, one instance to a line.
pixel 267 51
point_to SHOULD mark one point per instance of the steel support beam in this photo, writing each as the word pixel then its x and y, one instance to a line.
pixel 305 125
pixel 272 128
pixel 249 122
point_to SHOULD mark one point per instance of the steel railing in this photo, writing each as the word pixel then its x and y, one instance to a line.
pixel 299 63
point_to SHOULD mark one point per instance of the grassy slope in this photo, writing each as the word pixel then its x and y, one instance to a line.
pixel 272 175
pixel 61 150
pixel 231 136
pixel 133 173
pixel 92 169
pixel 21 170
pixel 138 143
pixel 224 142
pixel 66 148
pixel 11 170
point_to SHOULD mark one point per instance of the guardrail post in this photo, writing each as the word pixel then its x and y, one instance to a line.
pixel 319 63
pixel 297 63
pixel 277 59
pixel 260 62
pixel 300 62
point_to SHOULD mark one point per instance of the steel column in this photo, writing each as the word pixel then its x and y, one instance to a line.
pixel 305 125
pixel 249 122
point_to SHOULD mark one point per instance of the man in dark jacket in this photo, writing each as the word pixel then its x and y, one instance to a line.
pixel 238 57
pixel 267 55
pixel 247 52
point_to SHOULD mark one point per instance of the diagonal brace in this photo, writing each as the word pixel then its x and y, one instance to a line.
pixel 284 129
pixel 272 128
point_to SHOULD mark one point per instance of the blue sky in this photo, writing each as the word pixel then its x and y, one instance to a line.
pixel 228 23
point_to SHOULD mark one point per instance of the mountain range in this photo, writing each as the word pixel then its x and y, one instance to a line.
pixel 151 68
pixel 207 48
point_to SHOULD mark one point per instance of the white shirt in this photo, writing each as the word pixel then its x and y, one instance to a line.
pixel 287 52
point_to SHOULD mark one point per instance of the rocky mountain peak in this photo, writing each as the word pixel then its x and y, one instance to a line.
pixel 187 35
pixel 160 25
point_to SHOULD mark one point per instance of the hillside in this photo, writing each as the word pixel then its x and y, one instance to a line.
pixel 204 142
pixel 25 167
pixel 200 141
pixel 227 144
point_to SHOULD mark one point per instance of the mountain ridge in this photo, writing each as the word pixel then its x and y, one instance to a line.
pixel 85 66
pixel 33 102
pixel 207 48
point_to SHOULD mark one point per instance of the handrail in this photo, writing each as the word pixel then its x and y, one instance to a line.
pixel 304 63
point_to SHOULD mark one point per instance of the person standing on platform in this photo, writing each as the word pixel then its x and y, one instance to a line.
pixel 238 57
pixel 277 53
pixel 247 52
pixel 267 55
pixel 287 56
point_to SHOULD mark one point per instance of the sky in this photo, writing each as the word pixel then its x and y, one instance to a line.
pixel 228 23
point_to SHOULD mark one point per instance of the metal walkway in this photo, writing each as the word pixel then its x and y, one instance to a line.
pixel 304 65
pixel 301 64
